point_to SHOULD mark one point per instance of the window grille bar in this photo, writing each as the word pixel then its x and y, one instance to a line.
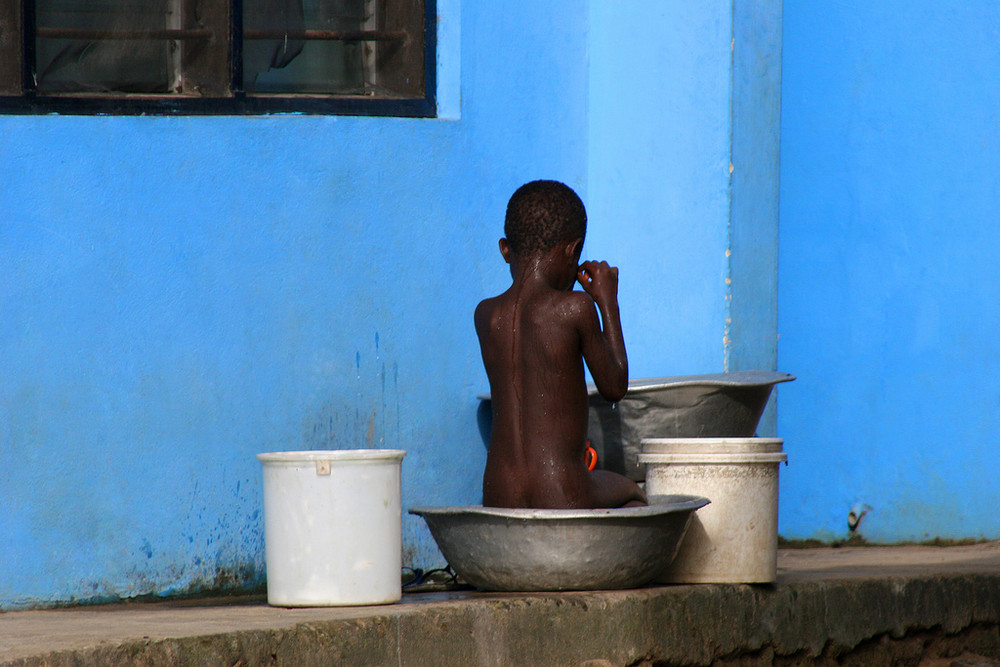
pixel 330 35
pixel 201 33
pixel 28 83
pixel 430 54
pixel 86 33
pixel 236 49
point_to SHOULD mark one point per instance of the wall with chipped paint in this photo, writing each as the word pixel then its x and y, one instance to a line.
pixel 888 307
pixel 179 294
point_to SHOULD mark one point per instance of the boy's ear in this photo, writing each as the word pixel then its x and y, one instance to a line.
pixel 574 248
pixel 505 250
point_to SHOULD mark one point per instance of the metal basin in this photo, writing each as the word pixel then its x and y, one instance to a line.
pixel 689 406
pixel 499 549
pixel 686 406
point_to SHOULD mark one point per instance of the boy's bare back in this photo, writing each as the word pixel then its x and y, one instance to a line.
pixel 535 338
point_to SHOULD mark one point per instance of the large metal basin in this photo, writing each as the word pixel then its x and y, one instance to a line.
pixel 688 406
pixel 499 549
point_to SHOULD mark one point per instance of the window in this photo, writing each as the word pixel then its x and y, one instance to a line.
pixel 217 56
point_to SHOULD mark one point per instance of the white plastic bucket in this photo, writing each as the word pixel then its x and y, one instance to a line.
pixel 332 527
pixel 735 538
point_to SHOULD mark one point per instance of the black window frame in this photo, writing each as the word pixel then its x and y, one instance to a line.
pixel 21 14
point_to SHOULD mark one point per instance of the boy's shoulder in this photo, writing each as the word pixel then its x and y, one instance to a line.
pixel 570 308
pixel 573 299
pixel 488 304
pixel 486 308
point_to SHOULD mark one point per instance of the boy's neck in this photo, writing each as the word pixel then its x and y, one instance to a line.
pixel 538 270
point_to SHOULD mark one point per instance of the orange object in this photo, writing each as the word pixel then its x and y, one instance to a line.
pixel 590 457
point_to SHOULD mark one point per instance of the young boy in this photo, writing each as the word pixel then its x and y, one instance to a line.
pixel 532 338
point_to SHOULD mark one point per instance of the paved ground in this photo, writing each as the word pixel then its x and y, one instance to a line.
pixel 862 605
pixel 880 562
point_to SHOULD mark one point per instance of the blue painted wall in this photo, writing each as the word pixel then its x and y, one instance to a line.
pixel 179 294
pixel 182 293
pixel 887 301
pixel 658 176
pixel 683 180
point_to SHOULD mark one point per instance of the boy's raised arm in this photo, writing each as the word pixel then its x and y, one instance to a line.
pixel 604 347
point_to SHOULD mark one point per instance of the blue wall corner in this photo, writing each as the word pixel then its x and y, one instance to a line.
pixel 752 313
pixel 753 228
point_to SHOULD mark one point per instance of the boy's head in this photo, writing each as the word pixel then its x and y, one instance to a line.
pixel 540 215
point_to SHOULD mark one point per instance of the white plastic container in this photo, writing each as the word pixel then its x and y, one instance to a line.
pixel 332 527
pixel 735 538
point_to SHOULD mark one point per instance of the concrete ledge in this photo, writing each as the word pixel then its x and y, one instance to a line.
pixel 889 605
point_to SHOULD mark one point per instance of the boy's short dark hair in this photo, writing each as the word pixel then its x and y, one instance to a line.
pixel 540 214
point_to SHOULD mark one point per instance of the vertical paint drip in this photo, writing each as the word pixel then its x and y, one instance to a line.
pixel 382 419
pixel 726 340
pixel 395 391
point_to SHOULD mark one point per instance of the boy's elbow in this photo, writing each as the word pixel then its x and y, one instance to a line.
pixel 615 391
pixel 621 385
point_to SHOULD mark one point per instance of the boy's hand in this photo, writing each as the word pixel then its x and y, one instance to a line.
pixel 599 280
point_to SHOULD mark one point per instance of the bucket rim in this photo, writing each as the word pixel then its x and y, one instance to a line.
pixel 713 458
pixel 721 440
pixel 313 455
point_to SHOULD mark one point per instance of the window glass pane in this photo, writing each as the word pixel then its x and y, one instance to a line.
pixel 106 45
pixel 291 46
